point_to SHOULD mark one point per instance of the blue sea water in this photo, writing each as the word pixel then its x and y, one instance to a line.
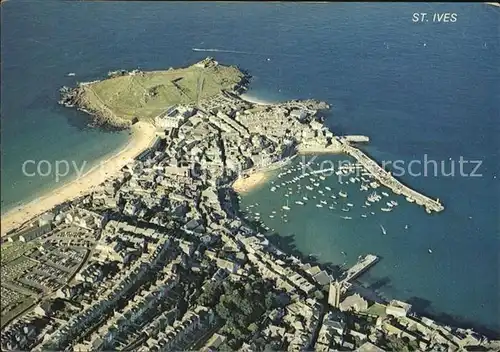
pixel 415 88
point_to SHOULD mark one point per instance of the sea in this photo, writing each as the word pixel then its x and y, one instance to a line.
pixel 420 89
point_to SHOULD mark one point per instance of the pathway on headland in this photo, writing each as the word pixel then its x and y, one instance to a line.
pixel 142 136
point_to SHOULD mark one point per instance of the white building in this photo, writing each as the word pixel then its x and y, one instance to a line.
pixel 398 308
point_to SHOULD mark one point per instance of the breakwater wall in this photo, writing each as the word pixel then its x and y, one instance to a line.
pixel 388 180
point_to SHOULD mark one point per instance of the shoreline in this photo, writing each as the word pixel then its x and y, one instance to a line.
pixel 244 185
pixel 254 100
pixel 142 136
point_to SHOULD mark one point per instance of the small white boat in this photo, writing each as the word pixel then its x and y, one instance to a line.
pixel 71 74
pixel 430 251
pixel 363 215
pixel 346 217
pixel 271 216
pixel 319 205
pixel 385 194
pixel 394 203
pixel 323 202
pixel 343 194
pixel 309 188
pixel 299 202
pixel 273 189
pixel 350 204
pixel 333 196
pixel 345 209
pixel 316 184
pixel 285 207
pixel 328 188
pixel 383 230
pixel 386 209
pixel 406 227
pixel 331 207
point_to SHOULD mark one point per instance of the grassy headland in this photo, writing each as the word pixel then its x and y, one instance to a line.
pixel 124 96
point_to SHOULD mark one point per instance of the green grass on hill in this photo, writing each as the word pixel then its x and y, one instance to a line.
pixel 147 94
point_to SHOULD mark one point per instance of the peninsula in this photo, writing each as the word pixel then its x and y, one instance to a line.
pixel 128 96
pixel 158 257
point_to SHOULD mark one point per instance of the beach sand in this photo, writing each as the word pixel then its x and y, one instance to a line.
pixel 143 134
pixel 246 184
pixel 254 100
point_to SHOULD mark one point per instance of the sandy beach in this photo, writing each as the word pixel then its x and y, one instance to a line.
pixel 246 184
pixel 143 134
pixel 254 100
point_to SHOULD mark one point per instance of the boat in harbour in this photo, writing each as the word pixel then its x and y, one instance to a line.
pixel 343 194
pixel 319 205
pixel 285 207
pixel 386 209
pixel 299 202
pixel 346 217
pixel 383 230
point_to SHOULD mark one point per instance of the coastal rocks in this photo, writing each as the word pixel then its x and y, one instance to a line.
pixel 69 97
pixel 312 104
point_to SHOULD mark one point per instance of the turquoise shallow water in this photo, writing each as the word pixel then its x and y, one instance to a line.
pixel 414 88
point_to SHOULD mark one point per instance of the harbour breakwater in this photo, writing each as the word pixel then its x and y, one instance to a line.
pixel 385 178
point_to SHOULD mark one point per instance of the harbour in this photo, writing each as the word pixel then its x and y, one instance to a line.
pixel 407 123
pixel 390 181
